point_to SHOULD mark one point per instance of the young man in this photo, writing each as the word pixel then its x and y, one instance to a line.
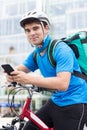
pixel 67 108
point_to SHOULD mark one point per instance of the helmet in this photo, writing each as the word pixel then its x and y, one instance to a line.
pixel 40 16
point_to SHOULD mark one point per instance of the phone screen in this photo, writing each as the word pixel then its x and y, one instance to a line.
pixel 8 68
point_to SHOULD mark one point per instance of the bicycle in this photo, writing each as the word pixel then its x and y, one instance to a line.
pixel 25 112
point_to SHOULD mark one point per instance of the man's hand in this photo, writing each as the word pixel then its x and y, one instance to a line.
pixel 17 76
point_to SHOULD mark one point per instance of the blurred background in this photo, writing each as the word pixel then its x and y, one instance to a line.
pixel 66 16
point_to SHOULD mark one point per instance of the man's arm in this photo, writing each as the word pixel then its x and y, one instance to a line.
pixel 60 82
pixel 21 67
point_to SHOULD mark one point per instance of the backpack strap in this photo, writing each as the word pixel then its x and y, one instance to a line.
pixel 50 51
pixel 35 57
pixel 80 75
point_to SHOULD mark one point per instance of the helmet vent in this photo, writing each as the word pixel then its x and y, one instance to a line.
pixel 29 13
pixel 34 12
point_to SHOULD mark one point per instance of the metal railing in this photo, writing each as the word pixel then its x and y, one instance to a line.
pixel 13 59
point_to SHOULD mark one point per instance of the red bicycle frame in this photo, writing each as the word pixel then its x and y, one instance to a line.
pixel 26 112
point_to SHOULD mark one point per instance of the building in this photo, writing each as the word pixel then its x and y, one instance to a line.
pixel 69 16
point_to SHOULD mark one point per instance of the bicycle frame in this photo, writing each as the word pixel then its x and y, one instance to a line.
pixel 26 112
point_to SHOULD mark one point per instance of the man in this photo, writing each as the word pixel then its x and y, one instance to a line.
pixel 67 108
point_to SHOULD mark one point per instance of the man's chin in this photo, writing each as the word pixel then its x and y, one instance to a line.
pixel 36 44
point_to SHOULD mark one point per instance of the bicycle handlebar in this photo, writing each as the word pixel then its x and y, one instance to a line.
pixel 13 84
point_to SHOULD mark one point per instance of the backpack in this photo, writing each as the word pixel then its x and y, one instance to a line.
pixel 78 43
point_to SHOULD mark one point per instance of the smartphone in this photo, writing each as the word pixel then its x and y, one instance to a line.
pixel 8 68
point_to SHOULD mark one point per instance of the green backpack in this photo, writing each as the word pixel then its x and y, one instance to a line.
pixel 78 43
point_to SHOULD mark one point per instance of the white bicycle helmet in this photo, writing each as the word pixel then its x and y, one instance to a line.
pixel 40 16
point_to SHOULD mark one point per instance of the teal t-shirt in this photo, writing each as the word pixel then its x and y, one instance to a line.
pixel 65 62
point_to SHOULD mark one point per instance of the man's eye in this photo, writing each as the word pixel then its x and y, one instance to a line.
pixel 27 30
pixel 35 28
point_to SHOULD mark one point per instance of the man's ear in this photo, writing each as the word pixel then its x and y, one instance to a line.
pixel 47 28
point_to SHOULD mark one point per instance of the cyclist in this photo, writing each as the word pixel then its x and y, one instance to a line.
pixel 67 108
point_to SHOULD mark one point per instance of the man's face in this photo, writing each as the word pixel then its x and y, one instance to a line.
pixel 35 33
